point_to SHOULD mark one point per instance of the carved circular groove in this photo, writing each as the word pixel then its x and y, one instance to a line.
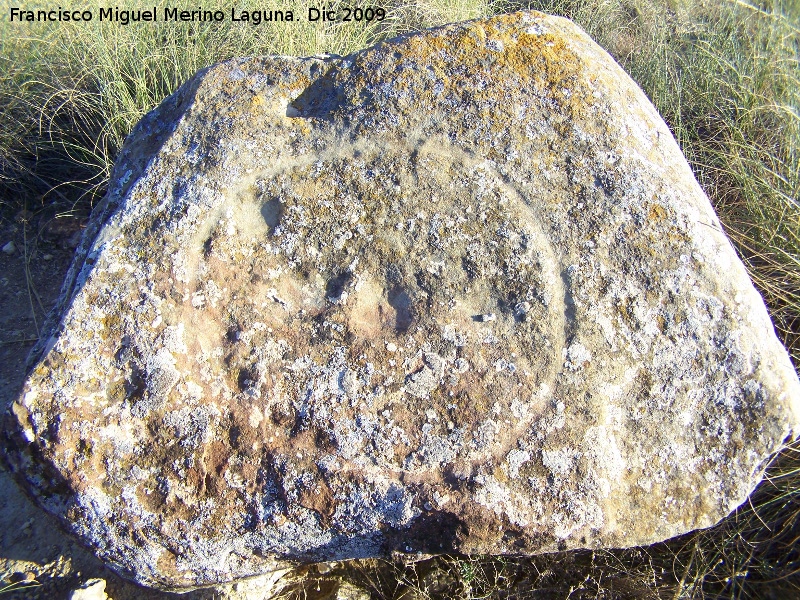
pixel 416 303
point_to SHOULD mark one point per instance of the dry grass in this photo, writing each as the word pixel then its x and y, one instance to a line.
pixel 70 93
pixel 726 77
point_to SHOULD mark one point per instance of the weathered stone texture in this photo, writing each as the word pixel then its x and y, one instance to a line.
pixel 456 292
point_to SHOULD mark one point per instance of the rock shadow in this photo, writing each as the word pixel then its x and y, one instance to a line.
pixel 400 301
pixel 272 211
pixel 433 533
pixel 323 96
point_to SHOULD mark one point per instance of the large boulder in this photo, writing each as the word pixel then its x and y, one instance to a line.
pixel 457 292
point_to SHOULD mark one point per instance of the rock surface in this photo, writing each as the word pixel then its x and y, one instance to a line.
pixel 456 292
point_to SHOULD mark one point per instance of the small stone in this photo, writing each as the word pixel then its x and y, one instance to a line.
pixel 325 567
pixel 92 589
pixel 9 248
pixel 262 587
pixel 47 257
pixel 348 591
